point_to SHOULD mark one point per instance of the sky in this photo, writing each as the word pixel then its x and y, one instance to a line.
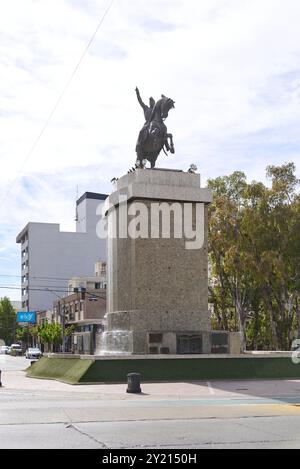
pixel 231 66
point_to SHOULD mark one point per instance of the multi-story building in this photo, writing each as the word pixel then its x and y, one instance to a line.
pixel 45 316
pixel 85 311
pixel 50 257
pixel 97 282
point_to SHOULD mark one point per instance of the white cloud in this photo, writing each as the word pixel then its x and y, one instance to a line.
pixel 232 66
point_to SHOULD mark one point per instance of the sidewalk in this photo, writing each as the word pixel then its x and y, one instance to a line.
pixel 18 382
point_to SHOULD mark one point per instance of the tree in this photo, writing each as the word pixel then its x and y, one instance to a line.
pixel 230 286
pixel 255 256
pixel 50 334
pixel 34 333
pixel 7 321
pixel 21 334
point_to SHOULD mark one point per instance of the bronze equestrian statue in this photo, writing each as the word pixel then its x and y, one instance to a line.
pixel 154 135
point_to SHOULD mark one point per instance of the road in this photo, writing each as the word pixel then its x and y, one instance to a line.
pixel 221 414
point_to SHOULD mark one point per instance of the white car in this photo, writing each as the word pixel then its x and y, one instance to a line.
pixel 4 349
pixel 15 350
pixel 33 352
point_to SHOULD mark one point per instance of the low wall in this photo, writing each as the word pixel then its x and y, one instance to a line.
pixel 113 370
pixel 68 370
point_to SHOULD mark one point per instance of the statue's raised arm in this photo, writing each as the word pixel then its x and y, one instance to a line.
pixel 139 98
pixel 147 109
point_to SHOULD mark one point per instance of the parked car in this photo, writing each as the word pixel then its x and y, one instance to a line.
pixel 16 350
pixel 4 349
pixel 33 352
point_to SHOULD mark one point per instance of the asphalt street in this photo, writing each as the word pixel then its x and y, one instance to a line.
pixel 221 414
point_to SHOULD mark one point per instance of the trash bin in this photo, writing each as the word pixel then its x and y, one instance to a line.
pixel 134 383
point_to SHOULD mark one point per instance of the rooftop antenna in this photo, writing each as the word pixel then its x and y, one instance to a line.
pixel 76 213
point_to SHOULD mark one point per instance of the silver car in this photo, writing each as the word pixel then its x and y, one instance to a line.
pixel 33 352
pixel 4 349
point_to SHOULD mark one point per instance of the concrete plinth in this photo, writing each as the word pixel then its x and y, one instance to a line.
pixel 157 271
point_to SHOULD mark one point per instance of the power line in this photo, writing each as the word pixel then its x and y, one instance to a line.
pixel 21 169
pixel 8 275
pixel 49 278
pixel 96 280
pixel 50 290
pixel 61 287
pixel 36 287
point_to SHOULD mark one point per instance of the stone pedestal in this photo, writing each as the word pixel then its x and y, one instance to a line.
pixel 157 281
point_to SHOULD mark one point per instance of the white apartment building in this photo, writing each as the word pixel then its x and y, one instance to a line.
pixel 50 257
pixel 97 282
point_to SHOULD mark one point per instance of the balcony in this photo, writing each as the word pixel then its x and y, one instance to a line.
pixel 24 245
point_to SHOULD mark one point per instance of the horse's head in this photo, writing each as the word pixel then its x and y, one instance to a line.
pixel 166 105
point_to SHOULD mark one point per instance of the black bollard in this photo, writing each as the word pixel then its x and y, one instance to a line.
pixel 134 383
pixel 0 380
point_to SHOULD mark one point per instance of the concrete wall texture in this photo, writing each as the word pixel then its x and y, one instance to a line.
pixel 157 285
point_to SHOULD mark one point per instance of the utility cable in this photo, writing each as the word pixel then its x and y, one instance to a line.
pixel 12 184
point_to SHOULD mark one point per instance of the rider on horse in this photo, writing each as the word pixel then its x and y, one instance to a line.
pixel 154 135
pixel 147 113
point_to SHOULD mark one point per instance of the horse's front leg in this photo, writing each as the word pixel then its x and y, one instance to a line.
pixel 171 146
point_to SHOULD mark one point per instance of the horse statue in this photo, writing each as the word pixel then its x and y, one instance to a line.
pixel 154 135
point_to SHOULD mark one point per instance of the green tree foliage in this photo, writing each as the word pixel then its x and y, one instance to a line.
pixel 34 332
pixel 69 330
pixel 21 334
pixel 50 334
pixel 7 321
pixel 254 236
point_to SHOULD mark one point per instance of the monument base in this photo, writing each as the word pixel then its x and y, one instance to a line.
pixel 154 332
pixel 157 265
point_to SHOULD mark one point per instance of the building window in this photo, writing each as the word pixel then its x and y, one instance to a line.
pixel 71 317
pixel 97 286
